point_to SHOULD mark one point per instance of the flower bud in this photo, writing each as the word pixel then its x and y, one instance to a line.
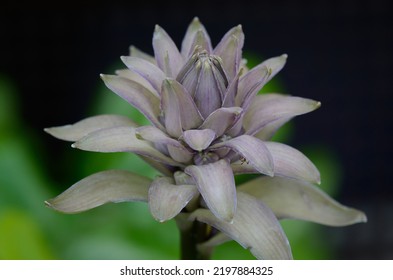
pixel 205 80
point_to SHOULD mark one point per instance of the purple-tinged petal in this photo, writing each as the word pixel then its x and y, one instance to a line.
pixel 267 108
pixel 155 135
pixel 221 120
pixel 166 53
pixel 135 52
pixel 189 114
pixel 100 188
pixel 253 150
pixel 78 130
pixel 256 78
pixel 166 200
pixel 254 227
pixel 131 75
pixel 267 132
pixel 288 162
pixel 147 70
pixel 180 154
pixel 291 163
pixel 163 168
pixel 175 149
pixel 190 41
pixel 210 88
pixel 121 139
pixel 230 94
pixel 216 184
pixel 171 108
pixel 199 140
pixel 230 50
pixel 182 178
pixel 296 199
pixel 137 95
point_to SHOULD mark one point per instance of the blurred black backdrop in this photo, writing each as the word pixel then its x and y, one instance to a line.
pixel 340 52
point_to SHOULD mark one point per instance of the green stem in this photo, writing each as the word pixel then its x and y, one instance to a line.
pixel 190 237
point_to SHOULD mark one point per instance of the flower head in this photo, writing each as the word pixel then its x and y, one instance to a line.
pixel 207 124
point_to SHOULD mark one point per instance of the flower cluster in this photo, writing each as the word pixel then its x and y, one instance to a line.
pixel 207 124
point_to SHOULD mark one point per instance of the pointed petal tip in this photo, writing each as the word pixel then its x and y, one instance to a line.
pixel 74 145
pixel 285 56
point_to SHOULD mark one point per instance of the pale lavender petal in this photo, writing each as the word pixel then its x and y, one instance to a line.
pixel 100 188
pixel 147 70
pixel 131 75
pixel 121 139
pixel 180 154
pixel 230 94
pixel 166 53
pixel 209 89
pixel 256 78
pixel 202 40
pixel 176 150
pixel 199 140
pixel 189 114
pixel 137 95
pixel 288 162
pixel 291 163
pixel 267 108
pixel 182 178
pixel 171 108
pixel 230 50
pixel 189 41
pixel 254 227
pixel 216 184
pixel 155 135
pixel 267 132
pixel 221 120
pixel 135 52
pixel 253 150
pixel 296 199
pixel 76 131
pixel 166 199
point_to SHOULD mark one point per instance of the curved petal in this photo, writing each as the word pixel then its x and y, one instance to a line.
pixel 221 120
pixel 256 78
pixel 78 130
pixel 254 227
pixel 121 139
pixel 267 132
pixel 191 38
pixel 189 115
pixel 155 135
pixel 296 199
pixel 137 95
pixel 253 150
pixel 166 200
pixel 131 75
pixel 268 108
pixel 230 94
pixel 147 70
pixel 135 52
pixel 198 139
pixel 216 184
pixel 166 53
pixel 100 188
pixel 230 50
pixel 288 162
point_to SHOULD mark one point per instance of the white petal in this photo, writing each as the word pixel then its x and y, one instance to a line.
pixel 216 184
pixel 253 150
pixel 254 227
pixel 76 131
pixel 100 188
pixel 198 139
pixel 121 139
pixel 268 108
pixel 296 199
pixel 166 200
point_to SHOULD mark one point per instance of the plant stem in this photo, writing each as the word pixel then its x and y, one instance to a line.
pixel 190 237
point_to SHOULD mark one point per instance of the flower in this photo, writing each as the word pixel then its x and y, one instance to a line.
pixel 207 124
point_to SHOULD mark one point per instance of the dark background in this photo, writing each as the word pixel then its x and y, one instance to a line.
pixel 340 52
